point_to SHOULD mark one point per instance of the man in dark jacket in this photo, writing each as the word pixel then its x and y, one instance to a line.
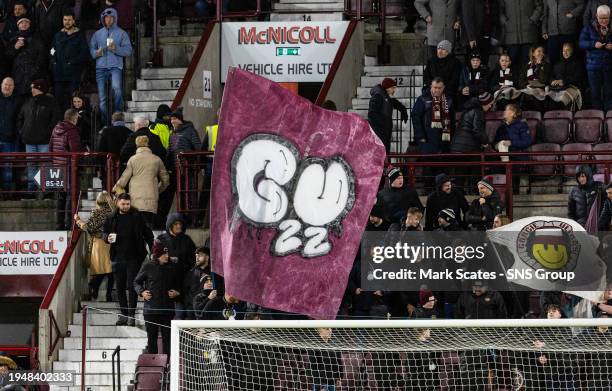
pixel 446 196
pixel 113 138
pixel 141 128
pixel 380 111
pixel 19 10
pixel 483 210
pixel 127 234
pixel 184 137
pixel 481 23
pixel 159 284
pixel 606 212
pixel 49 15
pixel 397 198
pixel 225 307
pixel 192 284
pixel 583 196
pixel 432 119
pixel 30 59
pixel 560 21
pixel 481 303
pixel 35 122
pixel 70 53
pixel 427 308
pixel 65 138
pixel 443 65
pixel 9 107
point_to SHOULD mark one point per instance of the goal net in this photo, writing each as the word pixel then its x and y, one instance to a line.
pixel 466 355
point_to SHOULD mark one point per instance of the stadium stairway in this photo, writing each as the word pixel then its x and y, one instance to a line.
pixel 298 10
pixel 102 339
pixel 155 86
pixel 409 80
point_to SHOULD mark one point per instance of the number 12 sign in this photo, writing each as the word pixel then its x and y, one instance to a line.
pixel 207 84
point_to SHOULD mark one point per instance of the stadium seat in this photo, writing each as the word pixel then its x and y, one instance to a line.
pixel 608 129
pixel 570 169
pixel 600 168
pixel 544 170
pixel 151 371
pixel 588 126
pixel 536 115
pixel 533 128
pixel 491 129
pixel 499 115
pixel 557 126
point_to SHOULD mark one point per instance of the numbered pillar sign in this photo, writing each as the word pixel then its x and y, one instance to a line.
pixel 207 84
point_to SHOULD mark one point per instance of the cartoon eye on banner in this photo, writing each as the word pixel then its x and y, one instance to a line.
pixel 292 189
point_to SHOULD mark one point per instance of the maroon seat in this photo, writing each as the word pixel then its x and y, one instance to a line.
pixel 608 125
pixel 533 127
pixel 588 126
pixel 570 169
pixel 150 372
pixel 494 115
pixel 491 129
pixel 532 115
pixel 544 170
pixel 609 114
pixel 558 114
pixel 556 129
pixel 600 168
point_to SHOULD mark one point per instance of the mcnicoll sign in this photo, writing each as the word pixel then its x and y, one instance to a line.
pixel 281 51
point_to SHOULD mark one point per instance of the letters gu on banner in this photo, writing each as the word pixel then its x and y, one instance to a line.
pixel 293 188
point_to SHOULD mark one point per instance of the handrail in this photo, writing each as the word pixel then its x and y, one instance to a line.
pixel 84 346
pixel 117 352
pixel 54 325
pixel 348 35
pixel 61 269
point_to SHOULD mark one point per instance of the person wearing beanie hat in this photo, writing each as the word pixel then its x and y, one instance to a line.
pixel 161 125
pixel 376 222
pixel 443 64
pixel 474 79
pixel 158 282
pixel 447 220
pixel 380 110
pixel 397 198
pixel 446 46
pixel 442 18
pixel 445 195
pixel 483 210
pixel 427 306
pixel 19 11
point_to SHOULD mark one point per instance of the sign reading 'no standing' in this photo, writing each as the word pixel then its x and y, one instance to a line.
pixel 282 51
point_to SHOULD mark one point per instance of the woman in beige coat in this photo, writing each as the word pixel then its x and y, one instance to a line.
pixel 147 177
pixel 98 249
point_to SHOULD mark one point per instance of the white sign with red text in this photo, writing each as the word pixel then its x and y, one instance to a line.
pixel 281 51
pixel 37 252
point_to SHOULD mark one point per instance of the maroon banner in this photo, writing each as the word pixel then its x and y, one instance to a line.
pixel 292 189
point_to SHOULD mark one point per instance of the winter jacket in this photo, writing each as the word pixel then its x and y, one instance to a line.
pixel 543 72
pixel 158 279
pixel 180 246
pixel 489 305
pixel 29 62
pixel 89 121
pixel 421 123
pixel 597 59
pixel 129 147
pixel 161 130
pixel 380 114
pixel 491 208
pixel 113 138
pixel 49 18
pixel 123 46
pixel 439 200
pixel 192 285
pixel 477 23
pixel 590 10
pixel 444 14
pixel 183 139
pixel 605 217
pixel 9 109
pixel 470 134
pixel 518 133
pixel 475 79
pixel 200 300
pixel 397 201
pixel 138 234
pixel 447 68
pixel 571 71
pixel 426 313
pixel 495 80
pixel 521 20
pixel 147 177
pixel 70 55
pixel 218 309
pixel 37 118
pixel 581 198
pixel 554 21
pixel 65 138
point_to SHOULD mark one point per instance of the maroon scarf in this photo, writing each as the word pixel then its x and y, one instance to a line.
pixel 440 116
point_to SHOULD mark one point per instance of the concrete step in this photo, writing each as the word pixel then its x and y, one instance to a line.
pixel 127 367
pixel 147 106
pixel 98 355
pixel 108 331
pixel 108 305
pixel 300 17
pixel 131 113
pixel 301 7
pixel 369 61
pixel 386 70
pixel 153 95
pixel 401 80
pixel 102 379
pixel 401 92
pixel 160 84
pixel 78 388
pixel 101 319
pixel 105 343
pixel 162 73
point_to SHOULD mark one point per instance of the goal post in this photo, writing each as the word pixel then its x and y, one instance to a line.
pixel 335 355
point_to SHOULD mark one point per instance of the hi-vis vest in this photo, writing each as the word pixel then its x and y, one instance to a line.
pixel 211 135
pixel 163 131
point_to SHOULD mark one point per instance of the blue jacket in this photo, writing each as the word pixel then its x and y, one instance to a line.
pixel 123 46
pixel 518 133
pixel 421 123
pixel 597 59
